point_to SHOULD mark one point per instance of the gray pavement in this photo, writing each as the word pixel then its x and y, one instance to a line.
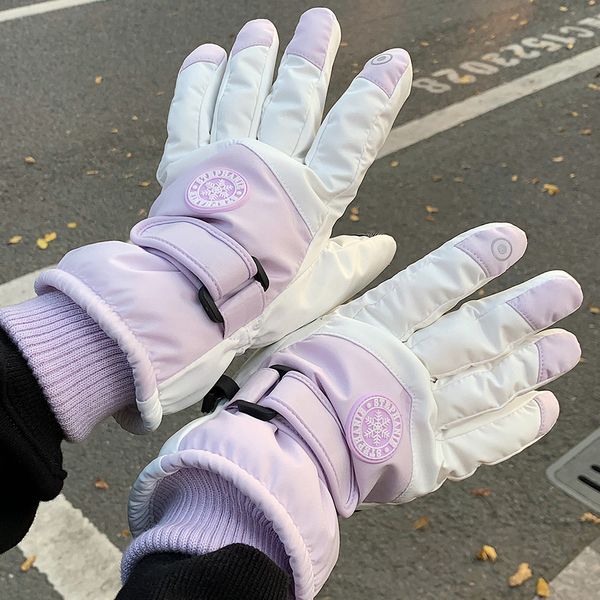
pixel 51 109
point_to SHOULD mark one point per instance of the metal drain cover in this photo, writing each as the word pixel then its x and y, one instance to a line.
pixel 578 471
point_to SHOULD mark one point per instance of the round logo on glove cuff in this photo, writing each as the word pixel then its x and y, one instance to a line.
pixel 374 428
pixel 501 249
pixel 217 190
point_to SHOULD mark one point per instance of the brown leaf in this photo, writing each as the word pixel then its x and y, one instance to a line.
pixel 558 159
pixel 98 79
pixel 124 533
pixel 542 588
pixel 432 210
pixel 101 484
pixel 487 553
pixel 144 184
pixel 15 239
pixel 430 218
pixel 483 492
pixel 29 160
pixel 521 576
pixel 343 44
pixel 589 517
pixel 595 310
pixel 535 180
pixel 551 189
pixel 421 523
pixel 27 563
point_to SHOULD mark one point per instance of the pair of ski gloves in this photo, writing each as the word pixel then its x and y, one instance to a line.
pixel 379 400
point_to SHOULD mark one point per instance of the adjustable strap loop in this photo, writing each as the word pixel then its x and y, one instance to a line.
pixel 233 283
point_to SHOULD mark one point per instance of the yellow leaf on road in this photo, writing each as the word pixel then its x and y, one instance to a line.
pixel 101 484
pixel 589 517
pixel 421 523
pixel 558 159
pixel 72 225
pixel 98 79
pixel 487 553
pixel 551 189
pixel 50 237
pixel 542 589
pixel 432 210
pixel 15 239
pixel 521 576
pixel 29 160
pixel 145 184
pixel 41 243
pixel 27 563
pixel 595 310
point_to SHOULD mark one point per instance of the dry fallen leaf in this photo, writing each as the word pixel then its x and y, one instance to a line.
pixel 27 563
pixel 432 210
pixel 72 225
pixel 98 79
pixel 487 553
pixel 465 79
pixel 589 517
pixel 354 214
pixel 101 484
pixel 586 132
pixel 551 189
pixel 134 118
pixel 394 163
pixel 129 155
pixel 558 159
pixel 124 533
pixel 424 44
pixel 29 160
pixel 595 310
pixel 521 576
pixel 459 179
pixel 535 180
pixel 15 239
pixel 480 293
pixel 343 44
pixel 436 178
pixel 50 237
pixel 430 218
pixel 145 184
pixel 483 492
pixel 563 9
pixel 523 22
pixel 421 523
pixel 542 589
pixel 92 172
pixel 574 113
pixel 514 178
pixel 514 17
pixel 114 130
pixel 41 243
pixel 593 86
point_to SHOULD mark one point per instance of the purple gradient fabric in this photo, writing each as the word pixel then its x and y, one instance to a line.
pixel 83 372
pixel 198 512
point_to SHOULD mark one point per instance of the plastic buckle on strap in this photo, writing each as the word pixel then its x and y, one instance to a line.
pixel 262 413
pixel 210 306
pixel 225 387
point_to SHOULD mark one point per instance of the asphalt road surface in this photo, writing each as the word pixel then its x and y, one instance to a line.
pixel 493 167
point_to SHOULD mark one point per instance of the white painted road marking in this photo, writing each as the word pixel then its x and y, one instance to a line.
pixel 78 560
pixel 40 8
pixel 449 117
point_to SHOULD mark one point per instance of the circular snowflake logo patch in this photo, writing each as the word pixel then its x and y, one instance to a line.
pixel 374 428
pixel 217 190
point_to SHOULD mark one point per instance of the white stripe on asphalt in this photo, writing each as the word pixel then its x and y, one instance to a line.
pixel 40 8
pixel 78 560
pixel 447 118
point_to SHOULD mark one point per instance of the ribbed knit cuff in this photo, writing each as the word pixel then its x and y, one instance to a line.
pixel 84 374
pixel 197 512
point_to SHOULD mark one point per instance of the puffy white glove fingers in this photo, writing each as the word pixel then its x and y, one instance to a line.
pixel 193 104
pixel 482 330
pixel 423 292
pixel 534 363
pixel 293 111
pixel 246 82
pixel 357 126
pixel 496 436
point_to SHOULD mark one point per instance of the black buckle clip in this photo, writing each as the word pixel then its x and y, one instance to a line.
pixel 262 413
pixel 225 387
pixel 211 308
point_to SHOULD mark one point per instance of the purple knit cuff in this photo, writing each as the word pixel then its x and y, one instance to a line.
pixel 197 512
pixel 83 373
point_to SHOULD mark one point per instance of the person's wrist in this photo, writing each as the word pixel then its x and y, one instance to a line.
pixel 84 375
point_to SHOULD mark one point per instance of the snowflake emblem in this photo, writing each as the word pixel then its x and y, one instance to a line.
pixel 377 427
pixel 374 428
pixel 216 190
